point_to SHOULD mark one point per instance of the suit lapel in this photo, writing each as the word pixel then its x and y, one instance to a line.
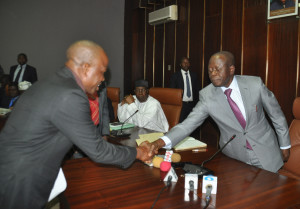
pixel 223 104
pixel 246 96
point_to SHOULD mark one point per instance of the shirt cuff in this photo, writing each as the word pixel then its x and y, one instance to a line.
pixel 286 147
pixel 167 142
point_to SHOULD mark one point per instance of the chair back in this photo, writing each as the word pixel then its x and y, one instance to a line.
pixel 171 103
pixel 293 165
pixel 113 93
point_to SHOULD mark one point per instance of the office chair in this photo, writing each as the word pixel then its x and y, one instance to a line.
pixel 171 103
pixel 113 93
pixel 292 167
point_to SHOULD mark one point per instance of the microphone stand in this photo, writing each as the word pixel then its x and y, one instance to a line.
pixel 121 130
pixel 212 157
pixel 200 170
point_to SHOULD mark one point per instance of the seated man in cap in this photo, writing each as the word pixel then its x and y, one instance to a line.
pixel 150 114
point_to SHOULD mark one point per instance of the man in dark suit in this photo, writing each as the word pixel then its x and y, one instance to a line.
pixel 22 71
pixel 9 100
pixel 48 119
pixel 188 82
pixel 238 104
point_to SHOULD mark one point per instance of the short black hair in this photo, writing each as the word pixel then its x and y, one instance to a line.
pixel 23 54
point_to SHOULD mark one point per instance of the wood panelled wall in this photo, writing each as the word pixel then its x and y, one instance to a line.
pixel 269 49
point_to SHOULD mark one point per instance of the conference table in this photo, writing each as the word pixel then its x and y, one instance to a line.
pixel 91 185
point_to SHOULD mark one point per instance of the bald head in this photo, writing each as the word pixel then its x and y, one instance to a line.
pixel 84 52
pixel 89 62
pixel 229 57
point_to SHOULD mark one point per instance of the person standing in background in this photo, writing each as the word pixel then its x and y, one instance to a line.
pixel 188 82
pixel 22 71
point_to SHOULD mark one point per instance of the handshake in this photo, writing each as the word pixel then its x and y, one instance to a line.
pixel 146 150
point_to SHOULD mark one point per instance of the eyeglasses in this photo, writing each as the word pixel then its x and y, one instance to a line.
pixel 140 90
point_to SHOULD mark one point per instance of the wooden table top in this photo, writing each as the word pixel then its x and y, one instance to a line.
pixel 91 185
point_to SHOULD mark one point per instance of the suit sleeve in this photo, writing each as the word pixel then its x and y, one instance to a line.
pixel 71 116
pixel 276 115
pixel 33 76
pixel 195 119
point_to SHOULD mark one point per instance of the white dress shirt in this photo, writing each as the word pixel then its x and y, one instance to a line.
pixel 23 67
pixel 185 98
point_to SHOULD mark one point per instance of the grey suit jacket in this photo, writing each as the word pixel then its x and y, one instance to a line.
pixel 48 119
pixel 256 98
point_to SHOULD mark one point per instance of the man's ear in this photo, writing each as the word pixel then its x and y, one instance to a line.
pixel 85 69
pixel 232 69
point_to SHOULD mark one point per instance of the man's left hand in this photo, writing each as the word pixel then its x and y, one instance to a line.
pixel 285 154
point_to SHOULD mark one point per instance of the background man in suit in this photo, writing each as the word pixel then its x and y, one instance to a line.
pixel 188 82
pixel 9 100
pixel 255 143
pixel 48 119
pixel 22 72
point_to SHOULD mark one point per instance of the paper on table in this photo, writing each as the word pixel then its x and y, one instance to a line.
pixel 189 143
pixel 148 137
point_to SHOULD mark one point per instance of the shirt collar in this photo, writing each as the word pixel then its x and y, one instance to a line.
pixel 183 71
pixel 233 85
pixel 77 79
pixel 22 66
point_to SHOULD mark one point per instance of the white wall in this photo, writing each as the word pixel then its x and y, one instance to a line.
pixel 44 29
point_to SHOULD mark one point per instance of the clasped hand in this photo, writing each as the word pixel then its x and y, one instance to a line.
pixel 146 150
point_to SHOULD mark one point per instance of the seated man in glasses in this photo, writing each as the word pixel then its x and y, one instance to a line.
pixel 149 115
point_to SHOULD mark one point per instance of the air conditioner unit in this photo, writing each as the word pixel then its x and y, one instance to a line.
pixel 163 15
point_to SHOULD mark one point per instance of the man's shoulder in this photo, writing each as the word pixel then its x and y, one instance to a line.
pixel 30 67
pixel 152 101
pixel 13 67
pixel 248 78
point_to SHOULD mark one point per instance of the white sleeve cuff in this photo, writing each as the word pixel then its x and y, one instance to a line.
pixel 167 142
pixel 287 147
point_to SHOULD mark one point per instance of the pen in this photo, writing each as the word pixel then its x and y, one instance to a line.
pixel 199 150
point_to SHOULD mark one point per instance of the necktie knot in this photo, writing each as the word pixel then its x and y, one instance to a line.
pixel 227 92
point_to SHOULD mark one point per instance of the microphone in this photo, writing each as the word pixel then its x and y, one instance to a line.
pixel 121 130
pixel 208 195
pixel 201 170
pixel 191 182
pixel 169 180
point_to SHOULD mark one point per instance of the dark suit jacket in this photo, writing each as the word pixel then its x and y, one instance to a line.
pixel 178 83
pixel 5 102
pixel 29 73
pixel 48 119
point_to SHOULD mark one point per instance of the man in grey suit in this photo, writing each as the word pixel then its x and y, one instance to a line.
pixel 47 120
pixel 256 142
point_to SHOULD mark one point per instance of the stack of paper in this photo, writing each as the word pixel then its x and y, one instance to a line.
pixel 148 137
pixel 189 143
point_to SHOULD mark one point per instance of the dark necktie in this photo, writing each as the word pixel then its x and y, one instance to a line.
pixel 18 75
pixel 236 111
pixel 188 88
